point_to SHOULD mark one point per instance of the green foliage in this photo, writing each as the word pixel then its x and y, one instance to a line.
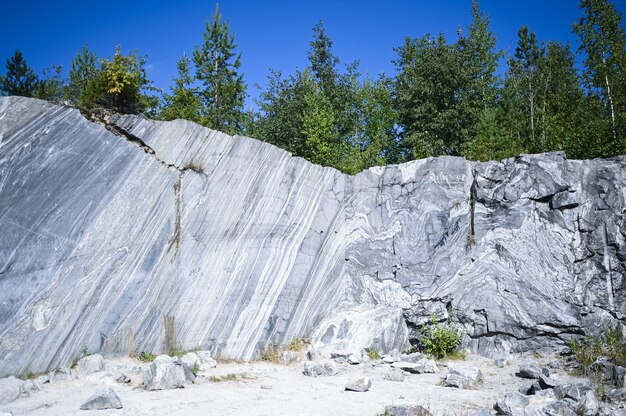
pixel 183 102
pixel 373 355
pixel 51 86
pixel 603 42
pixel 194 369
pixel 440 340
pixel 326 116
pixel 146 357
pixel 84 353
pixel 271 353
pixel 296 344
pixel 84 70
pixel 227 377
pixel 609 343
pixel 217 68
pixel 19 79
pixel 120 85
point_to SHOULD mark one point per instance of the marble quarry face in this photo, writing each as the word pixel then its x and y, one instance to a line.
pixel 110 224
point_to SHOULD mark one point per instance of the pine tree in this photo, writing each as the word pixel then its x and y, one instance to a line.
pixel 19 79
pixel 603 40
pixel 217 68
pixel 479 64
pixel 524 67
pixel 184 102
pixel 84 69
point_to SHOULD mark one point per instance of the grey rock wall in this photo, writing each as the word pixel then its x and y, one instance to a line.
pixel 108 226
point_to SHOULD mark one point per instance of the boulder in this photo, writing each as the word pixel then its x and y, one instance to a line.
pixel 394 375
pixel 530 371
pixel 88 365
pixel 105 399
pixel 167 373
pixel 423 365
pixel 406 410
pixel 315 369
pixel 563 407
pixel 588 405
pixel 463 378
pixel 512 404
pixel 617 395
pixel 10 389
pixel 361 384
pixel 206 361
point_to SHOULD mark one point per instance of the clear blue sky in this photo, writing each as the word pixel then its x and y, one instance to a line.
pixel 270 34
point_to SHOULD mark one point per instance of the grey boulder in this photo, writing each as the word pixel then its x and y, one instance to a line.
pixel 512 404
pixel 463 378
pixel 105 399
pixel 88 365
pixel 424 365
pixel 315 369
pixel 361 384
pixel 166 373
pixel 10 389
pixel 406 410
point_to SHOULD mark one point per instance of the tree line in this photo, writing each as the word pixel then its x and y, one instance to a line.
pixel 445 98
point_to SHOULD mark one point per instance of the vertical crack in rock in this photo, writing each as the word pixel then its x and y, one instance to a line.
pixel 178 190
pixel 607 266
pixel 471 238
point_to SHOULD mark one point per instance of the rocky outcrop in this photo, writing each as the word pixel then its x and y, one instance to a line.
pixel 112 224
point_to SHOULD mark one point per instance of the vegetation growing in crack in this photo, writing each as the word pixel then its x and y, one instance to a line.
pixel 610 344
pixel 440 340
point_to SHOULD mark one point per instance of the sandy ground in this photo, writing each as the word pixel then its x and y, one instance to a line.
pixel 272 389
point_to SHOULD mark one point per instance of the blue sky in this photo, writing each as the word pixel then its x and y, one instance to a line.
pixel 270 34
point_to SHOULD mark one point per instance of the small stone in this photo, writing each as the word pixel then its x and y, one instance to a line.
pixel 354 359
pixel 500 362
pixel 394 375
pixel 105 399
pixel 554 364
pixel 411 358
pixel 312 355
pixel 618 395
pixel 266 387
pixel 422 366
pixel 390 358
pixel 406 410
pixel 512 404
pixel 60 374
pixel 361 384
pixel 287 357
pixel 123 378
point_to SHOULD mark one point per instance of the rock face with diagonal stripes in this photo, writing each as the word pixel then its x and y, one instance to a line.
pixel 109 225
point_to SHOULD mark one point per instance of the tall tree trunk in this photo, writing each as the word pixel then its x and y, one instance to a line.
pixel 610 98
